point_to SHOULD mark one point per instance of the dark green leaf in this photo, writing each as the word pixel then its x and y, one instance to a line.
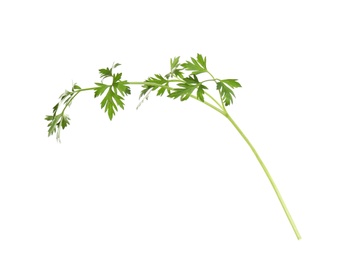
pixel 201 60
pixel 65 121
pixel 232 83
pixel 55 108
pixel 54 121
pixel 175 71
pixel 118 100
pixel 123 88
pixel 187 87
pixel 226 93
pixel 201 92
pixel 116 77
pixel 158 83
pixel 49 118
pixel 196 66
pixel 108 104
pixel 158 79
pixel 183 93
pixel 111 101
pixel 174 63
pixel 192 79
pixel 178 73
pixel 101 89
pixel 104 73
pixel 161 91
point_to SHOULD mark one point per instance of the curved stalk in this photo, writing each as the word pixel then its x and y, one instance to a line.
pixel 278 194
pixel 223 111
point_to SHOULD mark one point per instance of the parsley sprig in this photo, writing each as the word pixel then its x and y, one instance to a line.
pixel 181 82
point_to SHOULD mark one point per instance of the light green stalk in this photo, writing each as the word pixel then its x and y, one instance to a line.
pixel 224 112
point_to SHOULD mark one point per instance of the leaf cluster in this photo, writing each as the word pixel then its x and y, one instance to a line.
pixel 61 120
pixel 189 85
pixel 186 88
pixel 113 99
pixel 225 87
pixel 181 82
pixel 114 92
pixel 196 66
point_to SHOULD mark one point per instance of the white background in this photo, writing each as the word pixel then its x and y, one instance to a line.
pixel 172 180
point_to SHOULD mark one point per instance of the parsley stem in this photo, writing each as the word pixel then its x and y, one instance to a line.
pixel 69 102
pixel 223 111
pixel 215 80
pixel 213 100
pixel 267 173
pixel 152 83
pixel 209 104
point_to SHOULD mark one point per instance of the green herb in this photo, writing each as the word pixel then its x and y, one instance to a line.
pixel 181 82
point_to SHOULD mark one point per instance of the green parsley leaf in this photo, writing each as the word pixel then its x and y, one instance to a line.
pixel 112 99
pixel 116 78
pixel 192 79
pixel 158 83
pixel 197 66
pixel 225 93
pixel 158 79
pixel 55 108
pixel 187 87
pixel 174 63
pixel 232 83
pixel 101 89
pixel 183 93
pixel 105 73
pixel 109 104
pixel 161 91
pixel 54 120
pixel 60 120
pixel 64 121
pixel 123 88
pixel 201 92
